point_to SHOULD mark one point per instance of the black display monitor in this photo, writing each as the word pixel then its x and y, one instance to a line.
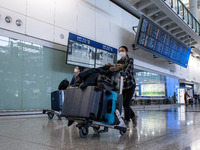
pixel 88 53
pixel 152 38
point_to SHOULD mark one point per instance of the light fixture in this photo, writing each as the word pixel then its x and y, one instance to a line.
pixel 18 22
pixel 8 19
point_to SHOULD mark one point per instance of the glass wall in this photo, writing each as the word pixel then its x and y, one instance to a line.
pixel 29 73
pixel 152 87
pixel 150 84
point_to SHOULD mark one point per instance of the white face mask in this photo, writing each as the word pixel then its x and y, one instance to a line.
pixel 75 70
pixel 118 57
pixel 122 54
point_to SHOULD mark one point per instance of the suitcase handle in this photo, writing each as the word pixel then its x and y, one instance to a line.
pixel 109 106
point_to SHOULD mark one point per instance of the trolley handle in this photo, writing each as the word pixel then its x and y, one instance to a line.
pixel 122 76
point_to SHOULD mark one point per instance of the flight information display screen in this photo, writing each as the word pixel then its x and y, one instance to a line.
pixel 156 40
pixel 88 53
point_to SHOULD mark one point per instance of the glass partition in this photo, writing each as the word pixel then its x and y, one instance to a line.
pixel 152 88
pixel 180 6
pixel 174 2
pixel 185 15
pixel 29 73
pixel 150 84
pixel 190 20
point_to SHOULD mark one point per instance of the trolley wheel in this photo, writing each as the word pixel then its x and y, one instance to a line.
pixel 59 117
pixel 122 132
pixel 83 132
pixel 50 115
pixel 96 128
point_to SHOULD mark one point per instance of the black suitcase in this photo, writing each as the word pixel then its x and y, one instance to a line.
pixel 57 99
pixel 85 103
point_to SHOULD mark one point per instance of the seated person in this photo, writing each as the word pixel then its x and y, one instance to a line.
pixel 77 70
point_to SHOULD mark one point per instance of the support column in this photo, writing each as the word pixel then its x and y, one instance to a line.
pixel 193 8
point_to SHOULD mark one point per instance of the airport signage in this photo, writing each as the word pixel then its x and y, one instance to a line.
pixel 90 42
pixel 151 37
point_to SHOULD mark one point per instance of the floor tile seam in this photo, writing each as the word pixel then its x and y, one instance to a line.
pixel 13 138
pixel 9 118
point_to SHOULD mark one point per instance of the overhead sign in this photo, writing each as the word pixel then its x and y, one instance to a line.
pixel 89 42
pixel 88 53
pixel 156 40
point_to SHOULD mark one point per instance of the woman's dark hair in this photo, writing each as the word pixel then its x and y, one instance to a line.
pixel 124 48
pixel 81 68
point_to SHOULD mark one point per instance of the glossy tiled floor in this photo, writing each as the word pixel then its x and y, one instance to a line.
pixel 169 129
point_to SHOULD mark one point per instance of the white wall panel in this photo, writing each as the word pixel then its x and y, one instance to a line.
pixel 103 6
pixel 102 28
pixel 128 38
pixel 116 35
pixel 12 25
pixel 18 6
pixel 66 14
pixel 58 39
pixel 39 29
pixel 86 19
pixel 89 2
pixel 129 21
pixel 116 14
pixel 41 9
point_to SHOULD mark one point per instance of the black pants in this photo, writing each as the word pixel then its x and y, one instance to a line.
pixel 127 97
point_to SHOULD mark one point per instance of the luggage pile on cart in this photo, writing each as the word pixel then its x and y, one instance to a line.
pixel 96 106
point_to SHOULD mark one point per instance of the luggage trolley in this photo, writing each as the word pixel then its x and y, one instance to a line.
pixel 57 99
pixel 83 123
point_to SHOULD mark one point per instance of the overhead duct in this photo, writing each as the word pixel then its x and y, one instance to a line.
pixel 127 7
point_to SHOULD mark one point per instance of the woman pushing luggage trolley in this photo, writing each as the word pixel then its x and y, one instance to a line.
pixel 95 107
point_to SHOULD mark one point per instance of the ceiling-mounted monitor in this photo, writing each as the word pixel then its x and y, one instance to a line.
pixel 88 53
pixel 151 37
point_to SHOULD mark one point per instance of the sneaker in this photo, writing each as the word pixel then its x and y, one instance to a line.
pixel 134 121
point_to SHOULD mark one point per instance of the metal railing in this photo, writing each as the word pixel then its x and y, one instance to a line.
pixel 183 12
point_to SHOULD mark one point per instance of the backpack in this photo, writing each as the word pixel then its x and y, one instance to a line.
pixel 63 84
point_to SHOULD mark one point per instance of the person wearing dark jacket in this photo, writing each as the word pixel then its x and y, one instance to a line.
pixel 77 70
pixel 129 85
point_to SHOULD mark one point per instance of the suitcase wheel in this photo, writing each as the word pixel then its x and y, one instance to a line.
pixel 50 115
pixel 59 117
pixel 83 132
pixel 96 128
pixel 122 132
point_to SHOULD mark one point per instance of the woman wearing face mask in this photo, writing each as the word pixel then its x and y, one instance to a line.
pixel 76 71
pixel 129 85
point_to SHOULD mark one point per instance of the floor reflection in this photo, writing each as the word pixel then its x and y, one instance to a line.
pixel 173 128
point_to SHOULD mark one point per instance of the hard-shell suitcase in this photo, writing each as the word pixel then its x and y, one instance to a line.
pixel 110 109
pixel 57 99
pixel 85 103
pixel 114 102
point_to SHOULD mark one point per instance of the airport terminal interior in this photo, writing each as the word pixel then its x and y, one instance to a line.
pixel 42 43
